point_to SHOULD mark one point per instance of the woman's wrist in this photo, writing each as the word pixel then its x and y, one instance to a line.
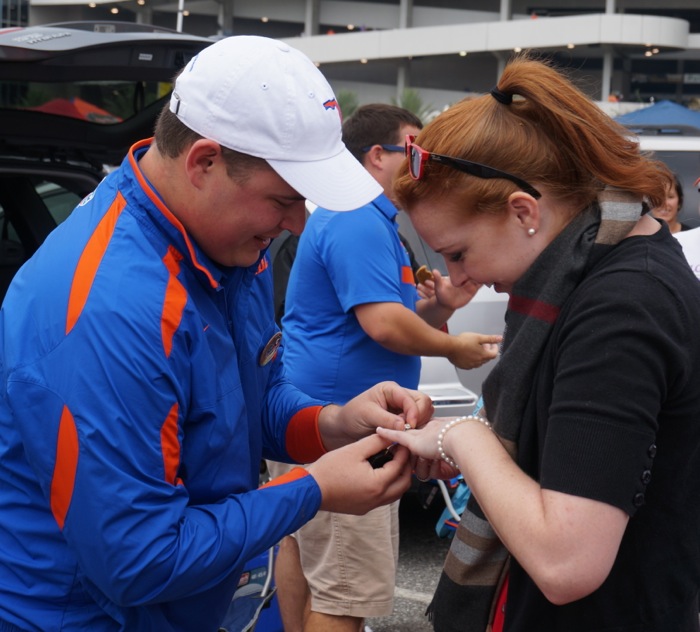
pixel 442 451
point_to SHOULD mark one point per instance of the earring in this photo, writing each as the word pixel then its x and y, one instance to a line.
pixel 531 231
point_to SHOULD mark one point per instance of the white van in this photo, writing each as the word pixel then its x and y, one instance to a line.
pixel 454 390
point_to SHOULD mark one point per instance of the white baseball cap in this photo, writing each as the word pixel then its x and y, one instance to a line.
pixel 261 97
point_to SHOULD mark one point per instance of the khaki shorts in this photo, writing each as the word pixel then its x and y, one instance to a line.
pixel 350 561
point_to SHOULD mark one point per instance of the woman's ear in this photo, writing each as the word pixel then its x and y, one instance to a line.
pixel 525 210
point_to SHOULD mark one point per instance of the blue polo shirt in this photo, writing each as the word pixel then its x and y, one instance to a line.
pixel 346 259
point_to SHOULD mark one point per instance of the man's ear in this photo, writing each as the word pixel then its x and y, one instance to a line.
pixel 202 156
pixel 525 210
pixel 373 157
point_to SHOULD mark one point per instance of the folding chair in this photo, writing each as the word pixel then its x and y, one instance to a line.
pixel 254 606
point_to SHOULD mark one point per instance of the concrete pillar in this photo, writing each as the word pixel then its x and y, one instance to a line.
pixel 180 11
pixel 144 15
pixel 402 74
pixel 502 60
pixel 506 10
pixel 225 18
pixel 403 71
pixel 606 77
pixel 680 69
pixel 405 14
pixel 311 17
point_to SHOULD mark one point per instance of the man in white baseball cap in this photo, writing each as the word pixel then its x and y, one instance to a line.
pixel 143 375
pixel 264 98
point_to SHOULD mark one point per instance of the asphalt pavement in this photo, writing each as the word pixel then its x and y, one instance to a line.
pixel 421 556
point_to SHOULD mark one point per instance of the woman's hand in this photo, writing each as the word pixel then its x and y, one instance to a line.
pixel 423 445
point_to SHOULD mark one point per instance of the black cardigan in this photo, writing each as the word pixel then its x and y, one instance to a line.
pixel 614 415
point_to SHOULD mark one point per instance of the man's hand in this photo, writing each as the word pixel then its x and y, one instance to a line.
pixel 470 350
pixel 348 482
pixel 386 404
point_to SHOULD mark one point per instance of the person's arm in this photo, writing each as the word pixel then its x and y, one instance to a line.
pixel 331 437
pixel 609 382
pixel 314 430
pixel 398 329
pixel 566 544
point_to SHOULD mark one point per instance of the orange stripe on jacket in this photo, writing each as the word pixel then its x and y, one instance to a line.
pixel 153 196
pixel 262 266
pixel 170 447
pixel 407 275
pixel 303 440
pixel 90 260
pixel 293 475
pixel 63 479
pixel 174 302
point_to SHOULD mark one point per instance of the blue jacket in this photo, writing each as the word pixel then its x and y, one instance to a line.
pixel 136 407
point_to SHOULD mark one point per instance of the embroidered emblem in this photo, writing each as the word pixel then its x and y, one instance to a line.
pixel 270 351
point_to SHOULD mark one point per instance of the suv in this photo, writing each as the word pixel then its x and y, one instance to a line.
pixel 73 98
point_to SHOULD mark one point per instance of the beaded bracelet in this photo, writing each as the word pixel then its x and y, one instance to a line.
pixel 452 424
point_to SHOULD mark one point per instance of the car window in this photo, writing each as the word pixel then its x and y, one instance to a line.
pixel 33 204
pixel 59 200
pixel 102 102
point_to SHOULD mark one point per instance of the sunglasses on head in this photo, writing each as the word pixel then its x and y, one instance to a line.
pixel 418 157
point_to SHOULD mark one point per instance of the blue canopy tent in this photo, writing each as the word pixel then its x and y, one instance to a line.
pixel 662 114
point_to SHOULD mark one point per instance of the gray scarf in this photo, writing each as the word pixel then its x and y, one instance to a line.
pixel 477 563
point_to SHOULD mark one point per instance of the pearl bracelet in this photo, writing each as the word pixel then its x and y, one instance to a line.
pixel 452 424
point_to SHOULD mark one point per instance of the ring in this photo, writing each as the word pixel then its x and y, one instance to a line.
pixel 422 480
pixel 407 427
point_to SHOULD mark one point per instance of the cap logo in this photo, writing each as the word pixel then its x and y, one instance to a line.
pixel 331 104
